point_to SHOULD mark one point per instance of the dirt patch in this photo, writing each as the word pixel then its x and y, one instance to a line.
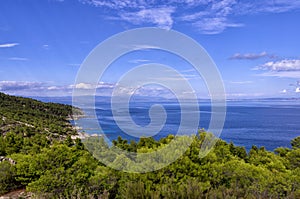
pixel 16 194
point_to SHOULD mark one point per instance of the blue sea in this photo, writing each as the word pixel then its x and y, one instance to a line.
pixel 270 123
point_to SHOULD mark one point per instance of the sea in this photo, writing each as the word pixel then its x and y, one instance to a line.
pixel 269 123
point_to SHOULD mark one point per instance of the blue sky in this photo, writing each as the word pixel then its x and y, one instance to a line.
pixel 255 44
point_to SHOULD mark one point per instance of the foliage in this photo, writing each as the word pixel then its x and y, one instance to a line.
pixel 296 143
pixel 27 117
pixel 7 177
pixel 52 165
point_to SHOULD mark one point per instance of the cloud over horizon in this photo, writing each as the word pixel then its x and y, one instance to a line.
pixel 289 68
pixel 282 65
pixel 40 89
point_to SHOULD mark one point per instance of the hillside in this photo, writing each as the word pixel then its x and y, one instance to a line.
pixel 28 126
pixel 27 117
pixel 39 156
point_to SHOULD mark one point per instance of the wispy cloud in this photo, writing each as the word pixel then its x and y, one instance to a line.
pixel 45 46
pixel 88 86
pixel 16 86
pixel 297 84
pixel 287 74
pixel 295 88
pixel 276 6
pixel 27 88
pixel 207 16
pixel 114 4
pixel 284 91
pixel 161 17
pixel 143 47
pixel 75 65
pixel 18 59
pixel 215 25
pixel 154 92
pixel 102 89
pixel 250 56
pixel 241 82
pixel 9 45
pixel 282 65
pixel 243 95
pixel 139 61
pixel 288 68
pixel 214 18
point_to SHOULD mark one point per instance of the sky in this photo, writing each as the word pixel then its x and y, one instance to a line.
pixel 254 44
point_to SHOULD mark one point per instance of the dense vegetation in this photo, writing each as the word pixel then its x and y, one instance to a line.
pixel 50 164
pixel 28 117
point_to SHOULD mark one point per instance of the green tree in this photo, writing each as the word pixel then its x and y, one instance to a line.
pixel 294 158
pixel 7 177
pixel 296 143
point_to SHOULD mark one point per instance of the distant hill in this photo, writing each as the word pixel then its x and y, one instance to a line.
pixel 28 116
pixel 28 127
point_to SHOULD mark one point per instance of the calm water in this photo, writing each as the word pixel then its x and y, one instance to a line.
pixel 271 123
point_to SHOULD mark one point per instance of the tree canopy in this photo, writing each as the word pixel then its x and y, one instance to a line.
pixel 49 164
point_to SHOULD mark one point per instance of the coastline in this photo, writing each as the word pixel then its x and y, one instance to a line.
pixel 83 135
pixel 77 115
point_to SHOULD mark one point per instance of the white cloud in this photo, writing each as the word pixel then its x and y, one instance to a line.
pixel 297 90
pixel 241 82
pixel 45 46
pixel 139 61
pixel 193 70
pixel 243 95
pixel 282 65
pixel 283 91
pixel 107 89
pixel 103 89
pixel 76 65
pixel 53 88
pixel 144 47
pixel 84 86
pixel 88 86
pixel 215 18
pixel 115 4
pixel 215 25
pixel 15 85
pixel 153 92
pixel 27 88
pixel 207 16
pixel 250 56
pixel 9 45
pixel 18 59
pixel 288 68
pixel 194 16
pixel 275 6
pixel 160 17
pixel 282 74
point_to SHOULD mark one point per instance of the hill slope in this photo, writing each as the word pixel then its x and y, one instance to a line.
pixel 28 117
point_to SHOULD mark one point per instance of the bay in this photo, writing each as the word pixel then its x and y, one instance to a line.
pixel 270 123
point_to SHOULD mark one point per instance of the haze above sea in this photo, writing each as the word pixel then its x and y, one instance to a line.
pixel 270 122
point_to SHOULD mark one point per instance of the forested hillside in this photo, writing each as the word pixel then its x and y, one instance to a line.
pixel 27 117
pixel 47 163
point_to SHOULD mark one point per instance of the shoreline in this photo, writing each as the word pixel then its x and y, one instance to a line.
pixel 83 135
